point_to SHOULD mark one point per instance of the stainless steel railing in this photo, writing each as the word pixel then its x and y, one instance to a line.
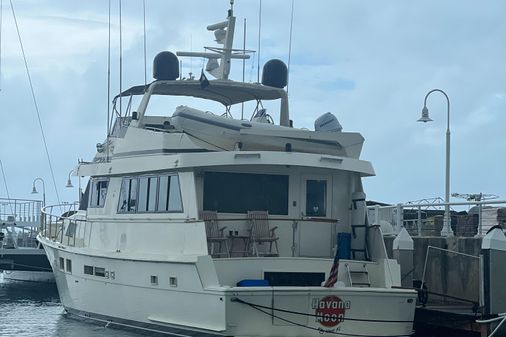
pixel 20 210
pixel 468 218
pixel 59 223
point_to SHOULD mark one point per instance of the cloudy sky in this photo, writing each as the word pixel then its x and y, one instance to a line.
pixel 369 62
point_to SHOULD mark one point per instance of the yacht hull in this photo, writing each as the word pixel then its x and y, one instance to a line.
pixel 128 297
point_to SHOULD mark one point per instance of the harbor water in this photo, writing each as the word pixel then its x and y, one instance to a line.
pixel 31 309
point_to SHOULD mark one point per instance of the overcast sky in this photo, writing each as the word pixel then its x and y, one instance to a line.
pixel 368 62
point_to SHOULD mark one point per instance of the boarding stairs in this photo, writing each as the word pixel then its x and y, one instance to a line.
pixel 358 275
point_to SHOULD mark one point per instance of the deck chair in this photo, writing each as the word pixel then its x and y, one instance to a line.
pixel 260 233
pixel 214 233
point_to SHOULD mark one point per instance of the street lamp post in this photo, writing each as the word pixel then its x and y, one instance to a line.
pixel 447 229
pixel 70 185
pixel 34 190
pixel 69 182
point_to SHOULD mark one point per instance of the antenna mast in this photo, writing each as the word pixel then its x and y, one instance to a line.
pixel 290 48
pixel 259 33
pixel 1 19
pixel 224 34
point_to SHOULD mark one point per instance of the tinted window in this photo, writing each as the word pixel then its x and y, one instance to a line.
pixel 169 194
pixel 128 195
pixel 163 192
pixel 147 194
pixel 175 204
pixel 150 194
pixel 99 271
pixel 243 192
pixel 316 197
pixel 98 193
pixel 83 204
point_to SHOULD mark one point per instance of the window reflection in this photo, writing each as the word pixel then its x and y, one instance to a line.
pixel 316 198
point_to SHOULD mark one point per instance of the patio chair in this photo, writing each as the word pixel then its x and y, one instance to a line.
pixel 260 233
pixel 215 234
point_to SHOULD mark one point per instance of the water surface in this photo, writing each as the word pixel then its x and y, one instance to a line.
pixel 29 309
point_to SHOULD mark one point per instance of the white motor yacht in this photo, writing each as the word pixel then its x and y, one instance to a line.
pixel 194 223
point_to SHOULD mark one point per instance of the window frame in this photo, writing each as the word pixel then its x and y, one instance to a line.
pixel 97 271
pixel 168 199
pixel 157 187
pixel 324 195
pixel 284 210
pixel 93 183
pixel 328 198
pixel 119 210
pixel 158 179
pixel 88 270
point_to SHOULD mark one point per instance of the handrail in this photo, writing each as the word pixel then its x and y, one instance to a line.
pixel 23 200
pixel 273 218
pixel 461 203
pixel 62 227
pixel 399 216
pixel 53 226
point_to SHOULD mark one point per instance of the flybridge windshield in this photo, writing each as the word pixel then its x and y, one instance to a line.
pixel 219 97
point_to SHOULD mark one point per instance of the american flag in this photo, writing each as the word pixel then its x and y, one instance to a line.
pixel 332 279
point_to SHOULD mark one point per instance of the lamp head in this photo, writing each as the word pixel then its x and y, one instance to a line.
pixel 425 115
pixel 69 184
pixel 34 190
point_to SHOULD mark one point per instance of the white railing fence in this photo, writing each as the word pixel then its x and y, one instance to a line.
pixel 468 218
pixel 20 210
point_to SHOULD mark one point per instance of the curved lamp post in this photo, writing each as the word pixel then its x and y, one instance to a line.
pixel 34 190
pixel 447 229
pixel 70 185
pixel 69 182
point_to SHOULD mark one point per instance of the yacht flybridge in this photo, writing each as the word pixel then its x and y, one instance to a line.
pixel 201 224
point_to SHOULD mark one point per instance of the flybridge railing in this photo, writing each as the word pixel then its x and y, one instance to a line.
pixel 59 223
pixel 468 218
pixel 23 212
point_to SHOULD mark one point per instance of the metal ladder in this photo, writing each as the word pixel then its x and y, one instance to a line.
pixel 358 278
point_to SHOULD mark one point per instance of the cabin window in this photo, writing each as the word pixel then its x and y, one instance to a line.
pixel 150 194
pixel 85 198
pixel 316 197
pixel 128 195
pixel 69 265
pixel 98 193
pixel 169 194
pixel 147 194
pixel 88 270
pixel 100 271
pixel 243 192
pixel 62 263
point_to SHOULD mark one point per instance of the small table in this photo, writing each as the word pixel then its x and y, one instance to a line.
pixel 245 242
